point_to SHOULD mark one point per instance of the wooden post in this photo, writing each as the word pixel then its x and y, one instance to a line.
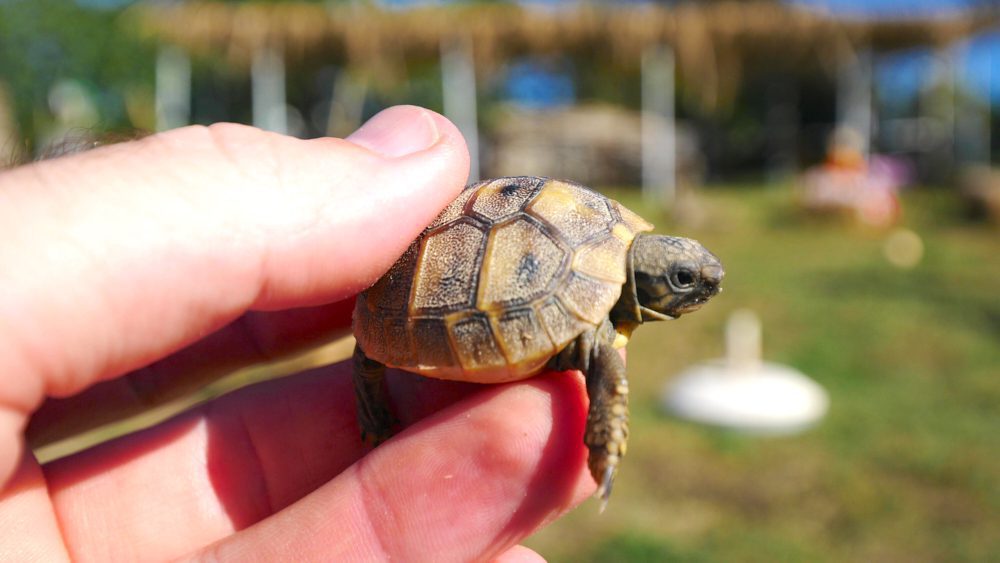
pixel 173 88
pixel 347 103
pixel 659 138
pixel 938 106
pixel 989 107
pixel 267 78
pixel 782 124
pixel 854 99
pixel 972 113
pixel 458 83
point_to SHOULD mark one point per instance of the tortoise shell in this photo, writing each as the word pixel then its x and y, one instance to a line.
pixel 507 275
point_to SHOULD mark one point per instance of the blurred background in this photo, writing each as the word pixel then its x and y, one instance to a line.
pixel 838 155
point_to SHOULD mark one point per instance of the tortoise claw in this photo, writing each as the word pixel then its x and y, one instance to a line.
pixel 604 488
pixel 372 440
pixel 377 429
pixel 376 424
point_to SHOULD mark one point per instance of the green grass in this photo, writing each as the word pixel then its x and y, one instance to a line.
pixel 906 466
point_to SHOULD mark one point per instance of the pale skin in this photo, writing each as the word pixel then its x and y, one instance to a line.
pixel 151 266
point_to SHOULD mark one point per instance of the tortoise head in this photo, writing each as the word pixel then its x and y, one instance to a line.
pixel 670 276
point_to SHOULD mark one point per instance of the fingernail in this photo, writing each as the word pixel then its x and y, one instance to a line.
pixel 398 131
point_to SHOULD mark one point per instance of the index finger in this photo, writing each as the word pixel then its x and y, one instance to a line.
pixel 256 337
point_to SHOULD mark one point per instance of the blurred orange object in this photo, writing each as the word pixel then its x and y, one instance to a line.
pixel 849 184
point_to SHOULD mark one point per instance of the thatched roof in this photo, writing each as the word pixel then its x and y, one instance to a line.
pixel 712 42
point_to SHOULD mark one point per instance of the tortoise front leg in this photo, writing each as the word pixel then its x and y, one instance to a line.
pixel 374 417
pixel 607 418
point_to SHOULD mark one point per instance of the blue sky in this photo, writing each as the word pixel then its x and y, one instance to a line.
pixel 876 8
pixel 901 75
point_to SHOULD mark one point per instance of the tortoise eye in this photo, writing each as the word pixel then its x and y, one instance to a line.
pixel 683 278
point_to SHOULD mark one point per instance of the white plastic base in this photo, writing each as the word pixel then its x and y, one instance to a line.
pixel 766 398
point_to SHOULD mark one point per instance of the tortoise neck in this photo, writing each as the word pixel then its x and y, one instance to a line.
pixel 626 311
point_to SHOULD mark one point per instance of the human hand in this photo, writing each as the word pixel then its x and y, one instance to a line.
pixel 133 270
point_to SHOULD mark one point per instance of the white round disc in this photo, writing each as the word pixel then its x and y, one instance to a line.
pixel 769 398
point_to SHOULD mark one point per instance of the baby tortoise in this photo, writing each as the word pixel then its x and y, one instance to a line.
pixel 518 275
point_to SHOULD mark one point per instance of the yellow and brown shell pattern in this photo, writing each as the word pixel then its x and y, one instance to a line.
pixel 506 276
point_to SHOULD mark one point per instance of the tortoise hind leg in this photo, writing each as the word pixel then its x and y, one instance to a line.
pixel 374 417
pixel 607 418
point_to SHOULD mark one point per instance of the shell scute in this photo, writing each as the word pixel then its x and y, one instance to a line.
pixel 602 259
pixel 455 209
pixel 634 222
pixel 448 268
pixel 576 214
pixel 561 326
pixel 392 291
pixel 474 342
pixel 368 329
pixel 522 337
pixel 399 347
pixel 522 262
pixel 500 199
pixel 435 346
pixel 587 298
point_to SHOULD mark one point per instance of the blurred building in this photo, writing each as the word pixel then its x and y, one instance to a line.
pixel 762 83
pixel 742 74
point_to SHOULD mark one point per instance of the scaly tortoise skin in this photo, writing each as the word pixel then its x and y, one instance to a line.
pixel 518 275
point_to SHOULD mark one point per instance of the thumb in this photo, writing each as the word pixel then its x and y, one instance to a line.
pixel 116 257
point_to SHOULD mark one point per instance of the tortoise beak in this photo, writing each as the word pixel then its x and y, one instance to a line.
pixel 711 281
pixel 712 275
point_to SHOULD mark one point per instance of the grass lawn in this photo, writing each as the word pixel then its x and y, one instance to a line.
pixel 906 466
